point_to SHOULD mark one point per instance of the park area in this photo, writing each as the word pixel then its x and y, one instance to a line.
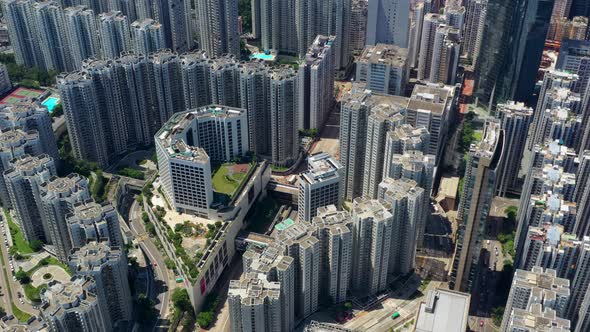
pixel 21 94
pixel 228 177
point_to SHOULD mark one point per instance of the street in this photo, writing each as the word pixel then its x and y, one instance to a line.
pixel 160 289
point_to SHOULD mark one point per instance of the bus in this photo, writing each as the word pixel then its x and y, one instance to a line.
pixel 395 315
pixel 179 280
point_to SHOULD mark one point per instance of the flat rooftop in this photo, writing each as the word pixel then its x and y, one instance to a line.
pixel 391 55
pixel 443 311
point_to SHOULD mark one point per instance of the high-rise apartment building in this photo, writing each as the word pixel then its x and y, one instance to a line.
pixel 5 83
pixel 515 120
pixel 356 108
pixel 83 117
pixel 475 203
pixel 82 34
pixel 273 264
pixel 536 287
pixel 225 81
pixel 300 243
pixel 562 29
pixel 51 36
pixel 255 304
pixel 176 17
pixel 73 306
pixel 107 265
pixel 371 245
pixel 23 181
pixel 474 26
pixel 404 139
pixel 434 316
pixel 431 106
pixel 89 221
pixel 195 75
pixel 168 84
pixel 574 57
pixel 284 90
pixel 384 118
pixel 358 24
pixel 418 167
pixel 384 69
pixel 15 143
pixel 407 203
pixel 218 26
pixel 23 32
pixel 579 288
pixel 115 35
pixel 58 197
pixel 417 21
pixel 316 83
pixel 430 26
pixel 277 25
pixel 335 236
pixel 148 36
pixel 254 98
pixel 320 186
pixel 582 195
pixel 388 22
pixel 31 116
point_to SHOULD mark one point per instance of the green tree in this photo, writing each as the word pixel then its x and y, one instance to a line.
pixel 144 308
pixel 36 245
pixel 205 318
pixel 58 110
pixel 2 312
pixel 181 300
pixel 22 276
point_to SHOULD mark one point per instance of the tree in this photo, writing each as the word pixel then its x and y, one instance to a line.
pixel 36 245
pixel 181 300
pixel 58 110
pixel 144 309
pixel 22 276
pixel 205 318
pixel 2 312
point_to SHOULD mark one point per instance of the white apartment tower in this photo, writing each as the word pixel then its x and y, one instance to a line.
pixel 148 36
pixel 316 83
pixel 384 69
pixel 115 36
pixel 23 181
pixel 58 198
pixel 538 286
pixel 515 120
pixel 255 304
pixel 73 306
pixel 388 22
pixel 284 91
pixel 218 26
pixel 335 235
pixel 89 221
pixel 406 200
pixel 319 186
pixel 371 241
pixel 82 34
pixel 107 265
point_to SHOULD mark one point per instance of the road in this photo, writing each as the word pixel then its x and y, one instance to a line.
pixel 14 285
pixel 161 276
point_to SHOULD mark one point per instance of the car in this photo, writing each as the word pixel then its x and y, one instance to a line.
pixel 488 242
pixel 481 322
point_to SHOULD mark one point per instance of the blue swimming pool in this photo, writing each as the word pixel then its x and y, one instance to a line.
pixel 50 103
pixel 262 56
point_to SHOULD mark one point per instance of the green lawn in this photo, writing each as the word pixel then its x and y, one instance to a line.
pixel 49 261
pixel 226 183
pixel 33 293
pixel 20 315
pixel 17 236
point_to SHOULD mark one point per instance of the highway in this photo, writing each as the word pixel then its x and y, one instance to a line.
pixel 162 288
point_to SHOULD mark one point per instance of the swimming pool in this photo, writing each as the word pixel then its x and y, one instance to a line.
pixel 50 102
pixel 262 56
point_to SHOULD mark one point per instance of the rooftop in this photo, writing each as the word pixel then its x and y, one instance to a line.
pixel 391 55
pixel 435 98
pixel 321 167
pixel 443 311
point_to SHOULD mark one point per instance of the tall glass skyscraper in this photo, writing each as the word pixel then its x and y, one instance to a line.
pixel 514 36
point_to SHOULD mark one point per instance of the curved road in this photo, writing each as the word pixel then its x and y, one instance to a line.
pixel 162 291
